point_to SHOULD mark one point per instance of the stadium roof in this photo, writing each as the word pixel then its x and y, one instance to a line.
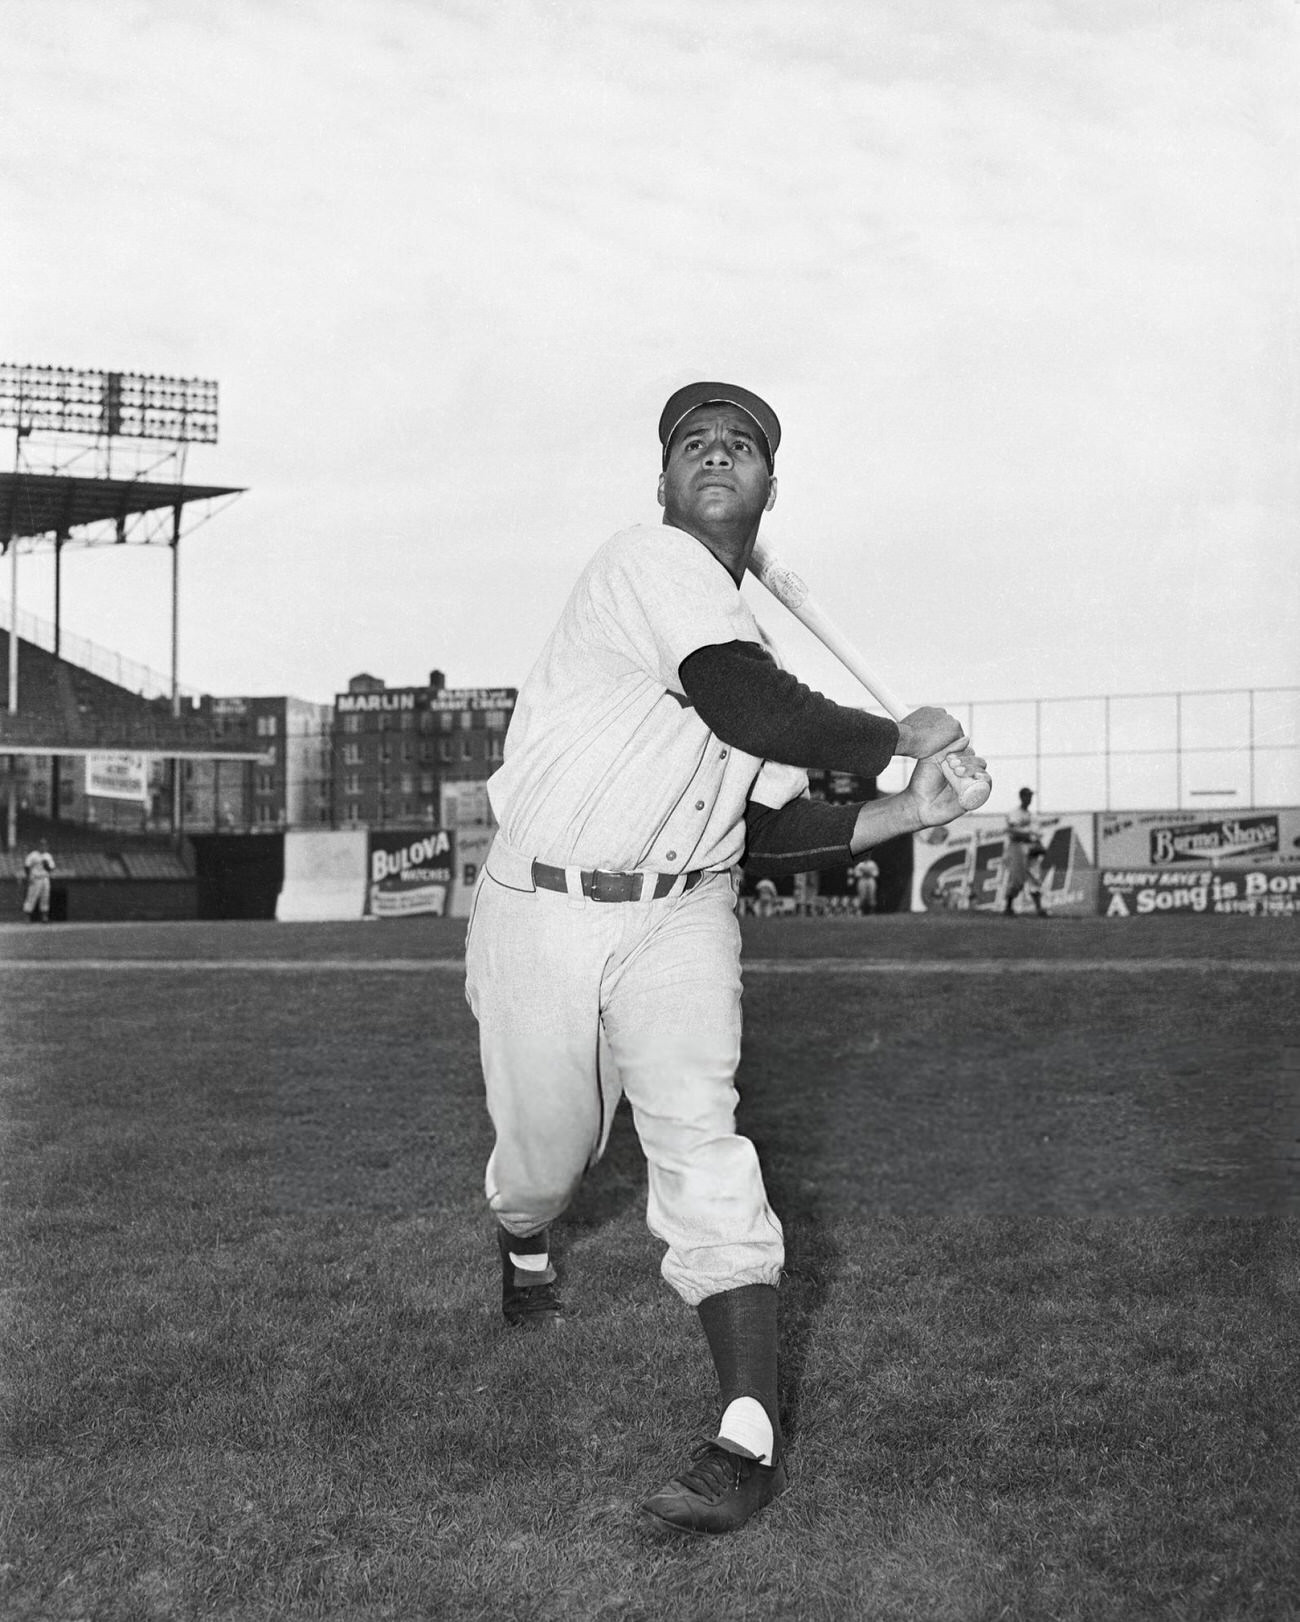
pixel 33 504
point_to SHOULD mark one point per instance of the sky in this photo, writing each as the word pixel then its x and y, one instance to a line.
pixel 1018 276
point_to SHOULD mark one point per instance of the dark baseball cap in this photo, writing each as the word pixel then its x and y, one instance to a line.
pixel 681 404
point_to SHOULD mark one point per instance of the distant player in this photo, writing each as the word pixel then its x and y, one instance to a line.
pixel 37 870
pixel 766 897
pixel 1022 860
pixel 866 884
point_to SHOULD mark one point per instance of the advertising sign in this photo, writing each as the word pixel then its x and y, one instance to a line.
pixel 465 804
pixel 425 698
pixel 118 777
pixel 409 872
pixel 1253 892
pixel 1187 839
pixel 960 867
pixel 472 846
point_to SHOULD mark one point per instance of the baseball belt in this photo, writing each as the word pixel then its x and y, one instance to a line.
pixel 637 886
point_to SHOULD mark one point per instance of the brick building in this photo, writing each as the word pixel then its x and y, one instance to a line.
pixel 416 756
pixel 290 787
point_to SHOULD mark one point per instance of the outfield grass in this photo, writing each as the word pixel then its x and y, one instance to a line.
pixel 1039 1318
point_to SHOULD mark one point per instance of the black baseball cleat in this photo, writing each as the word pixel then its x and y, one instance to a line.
pixel 718 1492
pixel 529 1300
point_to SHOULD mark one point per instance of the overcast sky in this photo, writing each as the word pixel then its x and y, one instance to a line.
pixel 1019 279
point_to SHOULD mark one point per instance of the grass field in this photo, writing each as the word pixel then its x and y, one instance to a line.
pixel 1041 1189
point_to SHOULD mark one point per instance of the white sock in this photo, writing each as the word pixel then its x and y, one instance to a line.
pixel 531 1261
pixel 746 1424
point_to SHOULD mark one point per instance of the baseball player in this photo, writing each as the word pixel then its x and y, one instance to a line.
pixel 1022 859
pixel 655 745
pixel 766 897
pixel 866 880
pixel 38 866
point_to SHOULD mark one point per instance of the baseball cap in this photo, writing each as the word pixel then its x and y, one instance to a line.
pixel 681 404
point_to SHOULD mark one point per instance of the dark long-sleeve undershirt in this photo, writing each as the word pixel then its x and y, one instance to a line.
pixel 798 837
pixel 745 698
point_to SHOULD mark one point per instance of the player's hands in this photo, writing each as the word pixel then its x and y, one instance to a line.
pixel 927 731
pixel 933 796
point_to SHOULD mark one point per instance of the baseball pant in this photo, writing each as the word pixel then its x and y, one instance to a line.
pixel 580 1002
pixel 37 898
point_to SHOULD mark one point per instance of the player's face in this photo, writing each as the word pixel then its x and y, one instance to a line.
pixel 717 471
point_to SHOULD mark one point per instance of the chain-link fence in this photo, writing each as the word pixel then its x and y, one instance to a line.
pixel 1221 748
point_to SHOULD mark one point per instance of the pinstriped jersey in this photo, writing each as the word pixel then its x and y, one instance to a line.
pixel 606 762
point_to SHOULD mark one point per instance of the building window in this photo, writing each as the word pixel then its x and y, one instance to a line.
pixel 467 749
pixel 444 749
pixel 408 721
pixel 495 720
pixel 267 726
pixel 408 749
pixel 266 782
pixel 446 720
pixel 426 783
pixel 352 723
pixel 466 720
pixel 408 783
pixel 352 784
pixel 496 749
pixel 354 812
pixel 352 754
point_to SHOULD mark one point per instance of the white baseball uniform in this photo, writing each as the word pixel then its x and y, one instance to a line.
pixel 608 767
pixel 1021 838
pixel 37 868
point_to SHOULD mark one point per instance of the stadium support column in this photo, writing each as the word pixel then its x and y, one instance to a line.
pixel 176 690
pixel 176 608
pixel 13 625
pixel 56 761
pixel 11 829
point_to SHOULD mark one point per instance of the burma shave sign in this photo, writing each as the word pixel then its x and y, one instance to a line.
pixel 408 873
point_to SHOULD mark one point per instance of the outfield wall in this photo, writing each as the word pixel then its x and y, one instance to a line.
pixel 1121 864
pixel 324 876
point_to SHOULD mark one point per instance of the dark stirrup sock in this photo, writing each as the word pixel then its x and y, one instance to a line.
pixel 741 1328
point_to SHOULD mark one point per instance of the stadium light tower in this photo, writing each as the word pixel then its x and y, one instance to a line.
pixel 88 450
pixel 64 489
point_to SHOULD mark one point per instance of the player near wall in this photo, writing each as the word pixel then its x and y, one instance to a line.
pixel 38 870
pixel 1022 860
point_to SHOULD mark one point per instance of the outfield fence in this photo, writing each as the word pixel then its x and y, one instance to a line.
pixel 1219 748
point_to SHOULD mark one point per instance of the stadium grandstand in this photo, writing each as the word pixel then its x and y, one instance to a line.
pixel 121 852
pixel 82 756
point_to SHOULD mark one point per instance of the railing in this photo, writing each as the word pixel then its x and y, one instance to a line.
pixel 78 650
pixel 157 734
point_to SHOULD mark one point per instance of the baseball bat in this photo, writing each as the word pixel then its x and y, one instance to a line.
pixel 791 590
